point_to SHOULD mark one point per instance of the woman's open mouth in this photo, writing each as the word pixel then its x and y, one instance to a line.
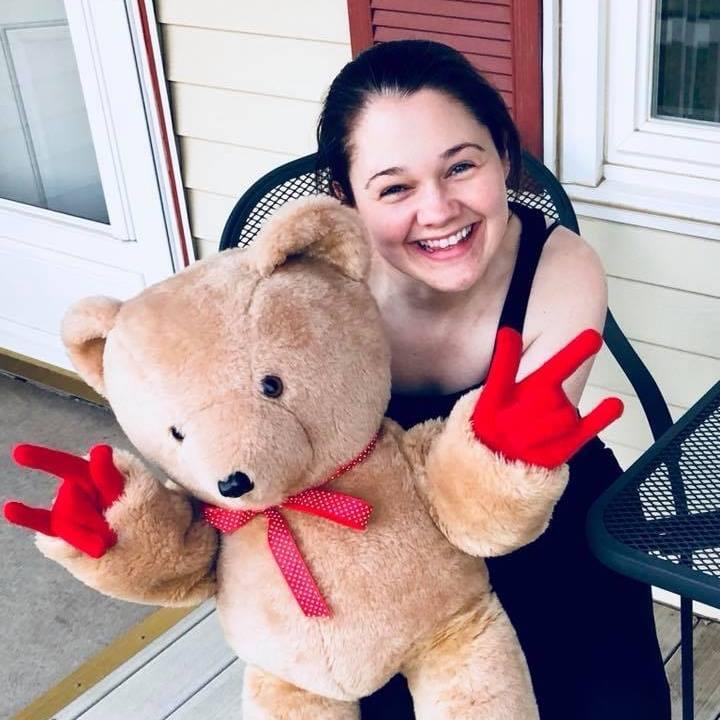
pixel 447 247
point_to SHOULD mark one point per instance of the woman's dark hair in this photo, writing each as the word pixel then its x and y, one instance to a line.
pixel 403 67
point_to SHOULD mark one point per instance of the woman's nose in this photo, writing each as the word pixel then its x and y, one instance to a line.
pixel 436 206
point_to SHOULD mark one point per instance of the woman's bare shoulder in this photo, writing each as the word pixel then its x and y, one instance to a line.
pixel 569 268
pixel 569 260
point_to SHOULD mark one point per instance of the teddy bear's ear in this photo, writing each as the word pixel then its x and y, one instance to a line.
pixel 319 227
pixel 85 327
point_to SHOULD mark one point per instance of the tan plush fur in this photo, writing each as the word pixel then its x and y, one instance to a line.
pixel 411 593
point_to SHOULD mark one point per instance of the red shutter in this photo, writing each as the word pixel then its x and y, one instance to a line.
pixel 500 37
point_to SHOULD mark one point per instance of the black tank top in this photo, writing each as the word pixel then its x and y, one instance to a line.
pixel 409 409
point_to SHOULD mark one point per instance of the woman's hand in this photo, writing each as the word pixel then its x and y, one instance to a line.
pixel 88 489
pixel 533 420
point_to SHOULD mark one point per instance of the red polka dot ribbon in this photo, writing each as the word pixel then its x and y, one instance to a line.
pixel 343 509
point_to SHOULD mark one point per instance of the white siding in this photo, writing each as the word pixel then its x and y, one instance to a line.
pixel 246 82
pixel 664 290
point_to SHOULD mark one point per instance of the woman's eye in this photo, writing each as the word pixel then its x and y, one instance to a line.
pixel 392 190
pixel 179 436
pixel 271 386
pixel 460 168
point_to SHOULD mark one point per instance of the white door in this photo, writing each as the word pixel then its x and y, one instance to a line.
pixel 80 208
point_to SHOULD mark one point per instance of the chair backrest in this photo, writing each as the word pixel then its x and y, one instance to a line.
pixel 539 188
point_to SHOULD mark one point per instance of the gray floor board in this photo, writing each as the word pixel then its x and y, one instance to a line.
pixel 214 700
pixel 168 680
pixel 135 665
pixel 667 623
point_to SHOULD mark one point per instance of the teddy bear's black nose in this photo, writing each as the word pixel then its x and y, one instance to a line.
pixel 235 485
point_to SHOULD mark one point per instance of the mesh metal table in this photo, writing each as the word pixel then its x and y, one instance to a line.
pixel 660 521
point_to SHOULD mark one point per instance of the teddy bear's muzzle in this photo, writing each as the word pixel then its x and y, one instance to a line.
pixel 235 485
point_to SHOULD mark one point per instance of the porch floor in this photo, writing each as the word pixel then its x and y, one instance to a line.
pixel 190 673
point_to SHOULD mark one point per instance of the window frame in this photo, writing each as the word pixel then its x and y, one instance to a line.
pixel 618 162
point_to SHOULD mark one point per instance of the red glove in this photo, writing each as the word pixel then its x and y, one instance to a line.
pixel 533 420
pixel 88 488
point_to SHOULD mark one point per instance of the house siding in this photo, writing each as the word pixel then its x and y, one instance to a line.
pixel 246 82
pixel 664 290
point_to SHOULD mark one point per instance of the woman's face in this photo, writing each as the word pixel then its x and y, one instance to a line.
pixel 430 186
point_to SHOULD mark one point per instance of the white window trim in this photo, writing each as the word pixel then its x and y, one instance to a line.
pixel 551 77
pixel 615 161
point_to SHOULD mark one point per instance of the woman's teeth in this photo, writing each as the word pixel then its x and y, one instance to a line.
pixel 445 242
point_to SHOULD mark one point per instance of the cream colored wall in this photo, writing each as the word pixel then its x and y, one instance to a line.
pixel 246 81
pixel 664 290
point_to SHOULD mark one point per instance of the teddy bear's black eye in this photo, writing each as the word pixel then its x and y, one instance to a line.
pixel 271 386
pixel 176 434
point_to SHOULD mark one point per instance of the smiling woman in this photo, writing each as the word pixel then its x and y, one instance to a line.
pixel 425 150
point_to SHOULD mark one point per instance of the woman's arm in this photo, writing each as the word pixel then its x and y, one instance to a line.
pixel 569 295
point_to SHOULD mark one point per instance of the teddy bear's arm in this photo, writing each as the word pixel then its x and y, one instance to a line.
pixel 484 504
pixel 164 555
pixel 493 476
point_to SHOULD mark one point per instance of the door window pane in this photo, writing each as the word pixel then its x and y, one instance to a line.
pixel 687 60
pixel 47 157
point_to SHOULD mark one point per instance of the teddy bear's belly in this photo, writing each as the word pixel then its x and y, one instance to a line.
pixel 388 588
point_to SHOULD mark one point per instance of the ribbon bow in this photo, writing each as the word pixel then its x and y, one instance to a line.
pixel 343 509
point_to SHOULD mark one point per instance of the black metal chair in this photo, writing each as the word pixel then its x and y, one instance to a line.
pixel 538 188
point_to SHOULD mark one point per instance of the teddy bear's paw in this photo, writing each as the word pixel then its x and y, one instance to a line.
pixel 87 569
pixel 483 502
pixel 55 548
pixel 147 510
pixel 146 505
pixel 88 487
pixel 134 471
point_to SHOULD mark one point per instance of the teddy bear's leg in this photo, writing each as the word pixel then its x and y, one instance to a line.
pixel 266 697
pixel 473 668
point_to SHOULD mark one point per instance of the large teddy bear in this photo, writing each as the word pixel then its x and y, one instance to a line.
pixel 340 549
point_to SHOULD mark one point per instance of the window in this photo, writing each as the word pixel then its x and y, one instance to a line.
pixel 640 136
pixel 686 71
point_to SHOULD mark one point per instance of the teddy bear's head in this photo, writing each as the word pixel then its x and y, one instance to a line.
pixel 252 374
